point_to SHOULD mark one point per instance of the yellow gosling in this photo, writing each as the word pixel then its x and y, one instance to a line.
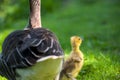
pixel 74 62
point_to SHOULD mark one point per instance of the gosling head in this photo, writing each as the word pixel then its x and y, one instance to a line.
pixel 76 41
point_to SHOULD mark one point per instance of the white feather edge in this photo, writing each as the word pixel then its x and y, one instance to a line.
pixel 49 57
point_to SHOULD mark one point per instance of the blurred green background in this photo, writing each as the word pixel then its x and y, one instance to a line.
pixel 96 21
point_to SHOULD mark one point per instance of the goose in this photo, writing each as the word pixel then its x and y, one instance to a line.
pixel 33 53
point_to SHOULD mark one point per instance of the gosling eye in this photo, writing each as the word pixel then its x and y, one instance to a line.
pixel 79 39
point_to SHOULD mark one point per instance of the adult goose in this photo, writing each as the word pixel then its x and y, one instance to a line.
pixel 33 53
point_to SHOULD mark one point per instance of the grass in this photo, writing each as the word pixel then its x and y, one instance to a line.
pixel 98 24
pixel 100 66
pixel 2 78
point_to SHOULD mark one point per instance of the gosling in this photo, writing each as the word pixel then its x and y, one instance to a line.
pixel 74 62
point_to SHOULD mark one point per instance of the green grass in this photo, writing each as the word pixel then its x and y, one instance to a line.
pixel 2 78
pixel 98 24
pixel 100 66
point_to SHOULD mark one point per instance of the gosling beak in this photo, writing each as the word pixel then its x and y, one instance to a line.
pixel 81 37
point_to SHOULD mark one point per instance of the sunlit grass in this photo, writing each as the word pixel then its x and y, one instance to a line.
pixel 2 78
pixel 100 66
